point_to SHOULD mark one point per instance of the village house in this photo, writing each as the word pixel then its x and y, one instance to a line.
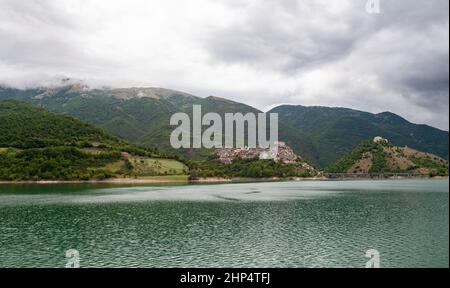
pixel 280 153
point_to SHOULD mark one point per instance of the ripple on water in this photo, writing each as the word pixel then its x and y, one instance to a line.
pixel 222 226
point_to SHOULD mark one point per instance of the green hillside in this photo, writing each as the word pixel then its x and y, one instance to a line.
pixel 321 135
pixel 26 126
pixel 335 131
pixel 384 157
pixel 142 115
pixel 38 145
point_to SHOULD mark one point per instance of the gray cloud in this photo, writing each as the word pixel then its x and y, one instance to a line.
pixel 405 48
pixel 269 52
pixel 284 35
pixel 302 33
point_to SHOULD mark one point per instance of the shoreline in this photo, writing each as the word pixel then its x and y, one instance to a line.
pixel 214 180
pixel 208 180
pixel 107 181
pixel 254 180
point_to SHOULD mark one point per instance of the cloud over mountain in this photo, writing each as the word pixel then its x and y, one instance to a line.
pixel 321 52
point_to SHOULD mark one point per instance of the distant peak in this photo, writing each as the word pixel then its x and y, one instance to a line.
pixel 390 116
pixel 220 99
pixel 147 92
pixel 387 113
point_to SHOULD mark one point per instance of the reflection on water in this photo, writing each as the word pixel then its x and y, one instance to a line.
pixel 291 224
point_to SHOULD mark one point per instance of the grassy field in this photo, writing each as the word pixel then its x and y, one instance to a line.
pixel 116 166
pixel 93 151
pixel 3 150
pixel 143 166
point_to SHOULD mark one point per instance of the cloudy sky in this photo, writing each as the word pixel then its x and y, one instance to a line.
pixel 263 53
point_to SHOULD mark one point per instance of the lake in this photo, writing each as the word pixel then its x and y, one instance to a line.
pixel 287 224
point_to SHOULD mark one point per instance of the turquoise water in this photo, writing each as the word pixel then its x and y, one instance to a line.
pixel 289 224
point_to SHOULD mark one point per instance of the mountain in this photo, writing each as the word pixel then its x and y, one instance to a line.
pixel 320 135
pixel 336 131
pixel 23 125
pixel 380 156
pixel 36 144
pixel 142 115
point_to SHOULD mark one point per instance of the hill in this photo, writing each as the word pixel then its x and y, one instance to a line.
pixel 26 126
pixel 320 135
pixel 39 145
pixel 380 156
pixel 335 131
pixel 141 115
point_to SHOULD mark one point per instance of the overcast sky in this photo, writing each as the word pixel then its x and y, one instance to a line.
pixel 262 53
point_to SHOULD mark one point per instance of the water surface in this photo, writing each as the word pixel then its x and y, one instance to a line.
pixel 290 224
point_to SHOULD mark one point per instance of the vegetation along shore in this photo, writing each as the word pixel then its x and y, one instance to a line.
pixel 40 146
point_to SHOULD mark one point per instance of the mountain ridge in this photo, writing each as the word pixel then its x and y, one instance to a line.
pixel 319 134
pixel 167 93
pixel 335 131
